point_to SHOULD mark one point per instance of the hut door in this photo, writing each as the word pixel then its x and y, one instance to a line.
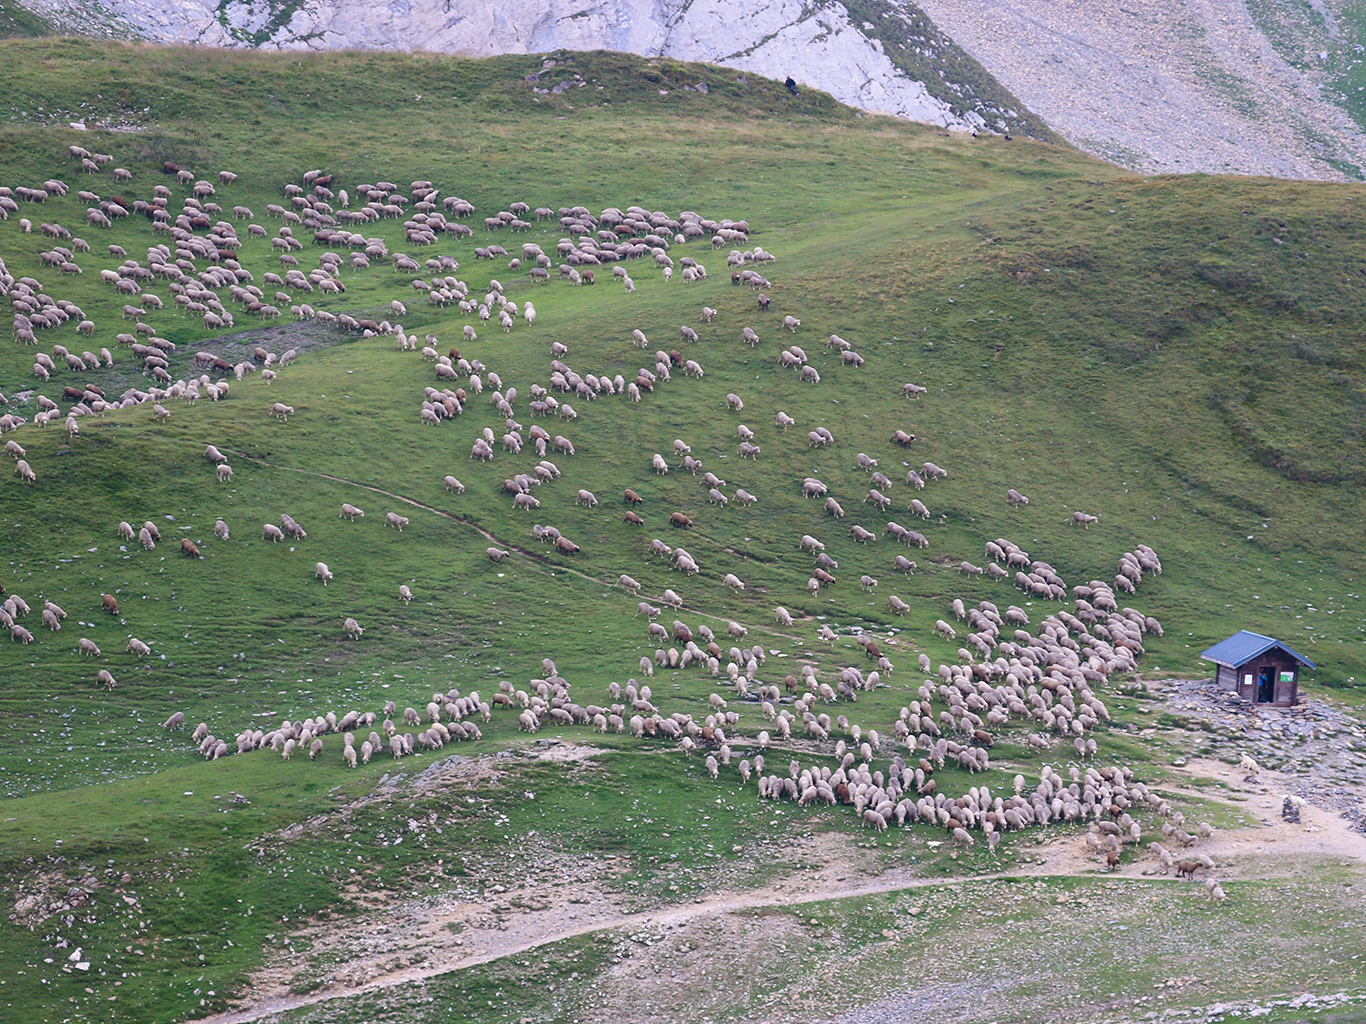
pixel 1266 685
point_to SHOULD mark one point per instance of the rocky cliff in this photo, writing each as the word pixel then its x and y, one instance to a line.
pixel 878 55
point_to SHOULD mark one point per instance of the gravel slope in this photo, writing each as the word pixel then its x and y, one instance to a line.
pixel 1162 86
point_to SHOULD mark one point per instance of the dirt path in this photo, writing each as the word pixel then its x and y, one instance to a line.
pixel 415 940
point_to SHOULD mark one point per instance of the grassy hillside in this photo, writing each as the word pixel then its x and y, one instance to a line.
pixel 1182 356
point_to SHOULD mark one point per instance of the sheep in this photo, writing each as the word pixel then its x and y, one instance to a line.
pixel 136 646
pixel 809 374
pixel 944 629
pixel 354 628
pixel 784 616
pixel 1016 498
pixel 321 571
pixel 496 554
pixel 281 411
pixel 189 548
pixel 586 498
pixel 733 581
pixel 791 323
pixel 86 646
pixel 110 603
pixel 25 472
pixel 176 721
pixel 106 678
pixel 220 529
pixel 1082 519
pixel 734 403
pixel 395 520
pixel 898 606
pixel 50 620
pixel 272 533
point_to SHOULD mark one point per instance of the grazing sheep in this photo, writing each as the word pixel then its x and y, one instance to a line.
pixel 496 554
pixel 220 529
pixel 733 581
pixel 190 548
pixel 734 403
pixel 395 520
pixel 86 646
pixel 353 628
pixel 272 533
pixel 110 603
pixel 404 594
pixel 1016 498
pixel 454 485
pixel 351 512
pixel 586 498
pixel 321 571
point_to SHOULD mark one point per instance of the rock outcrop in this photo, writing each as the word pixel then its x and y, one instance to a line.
pixel 818 44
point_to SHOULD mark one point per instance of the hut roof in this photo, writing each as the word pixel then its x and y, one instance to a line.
pixel 1243 646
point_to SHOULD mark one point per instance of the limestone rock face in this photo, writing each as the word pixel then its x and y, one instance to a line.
pixel 816 43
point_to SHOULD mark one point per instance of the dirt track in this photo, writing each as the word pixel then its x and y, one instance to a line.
pixel 415 940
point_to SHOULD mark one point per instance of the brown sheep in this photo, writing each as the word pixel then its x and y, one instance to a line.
pixel 633 519
pixel 190 548
pixel 680 520
pixel 1187 868
pixel 567 546
pixel 111 604
pixel 632 497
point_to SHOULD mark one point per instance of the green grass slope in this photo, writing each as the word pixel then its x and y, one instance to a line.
pixel 1182 356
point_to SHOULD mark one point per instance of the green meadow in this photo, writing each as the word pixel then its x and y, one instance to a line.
pixel 1182 356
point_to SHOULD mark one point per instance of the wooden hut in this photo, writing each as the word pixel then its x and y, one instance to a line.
pixel 1258 668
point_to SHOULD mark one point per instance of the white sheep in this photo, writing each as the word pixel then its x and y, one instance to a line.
pixel 321 571
pixel 354 628
pixel 395 520
pixel 351 512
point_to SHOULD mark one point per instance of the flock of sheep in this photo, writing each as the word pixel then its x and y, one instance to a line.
pixel 1043 680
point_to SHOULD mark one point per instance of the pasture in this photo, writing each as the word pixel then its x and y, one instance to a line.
pixel 1179 356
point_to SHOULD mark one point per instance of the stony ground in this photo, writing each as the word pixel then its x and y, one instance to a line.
pixel 1167 86
pixel 763 952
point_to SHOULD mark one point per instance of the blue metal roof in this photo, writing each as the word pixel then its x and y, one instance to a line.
pixel 1243 646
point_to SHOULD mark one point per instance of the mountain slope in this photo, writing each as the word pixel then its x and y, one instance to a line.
pixel 1179 355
